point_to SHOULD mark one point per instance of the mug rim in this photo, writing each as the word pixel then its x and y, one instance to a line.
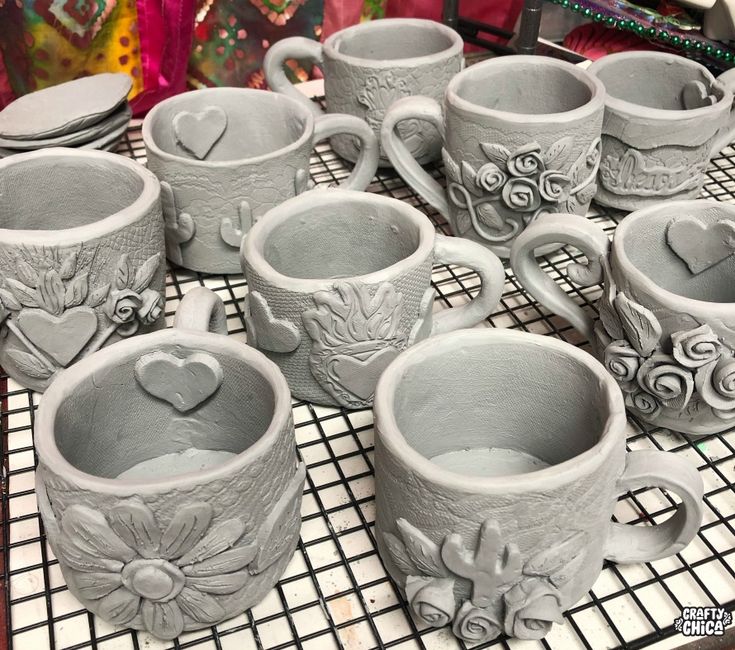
pixel 663 114
pixel 100 228
pixel 151 145
pixel 633 273
pixel 595 86
pixel 253 245
pixel 456 47
pixel 391 437
pixel 70 378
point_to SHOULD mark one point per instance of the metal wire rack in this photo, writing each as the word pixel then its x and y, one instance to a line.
pixel 335 592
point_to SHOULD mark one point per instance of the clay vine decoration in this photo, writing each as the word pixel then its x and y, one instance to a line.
pixel 265 331
pixel 692 372
pixel 526 181
pixel 355 335
pixel 132 570
pixel 50 307
pixel 505 595
pixel 179 226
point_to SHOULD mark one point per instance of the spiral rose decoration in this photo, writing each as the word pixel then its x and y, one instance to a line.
pixel 697 347
pixel 122 306
pixel 661 376
pixel 554 186
pixel 475 624
pixel 521 194
pixel 531 607
pixel 152 307
pixel 622 361
pixel 432 600
pixel 645 403
pixel 526 160
pixel 490 177
pixel 715 382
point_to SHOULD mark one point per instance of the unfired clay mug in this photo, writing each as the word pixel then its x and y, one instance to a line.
pixel 168 480
pixel 81 258
pixel 667 312
pixel 225 156
pixel 369 66
pixel 340 283
pixel 521 138
pixel 665 117
pixel 493 503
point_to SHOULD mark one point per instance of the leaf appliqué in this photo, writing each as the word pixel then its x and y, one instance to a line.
pixel 559 562
pixel 642 328
pixel 145 272
pixel 30 364
pixel 497 153
pixel 424 553
pixel 558 153
pixel 398 554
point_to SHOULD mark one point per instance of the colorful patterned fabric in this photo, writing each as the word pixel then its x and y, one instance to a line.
pixel 45 42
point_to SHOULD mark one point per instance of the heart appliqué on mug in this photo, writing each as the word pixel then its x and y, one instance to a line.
pixel 701 245
pixel 183 383
pixel 198 132
pixel 361 376
pixel 265 331
pixel 61 337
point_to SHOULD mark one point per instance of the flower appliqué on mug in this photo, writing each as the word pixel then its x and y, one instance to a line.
pixel 523 600
pixel 51 309
pixel 355 335
pixel 527 181
pixel 691 371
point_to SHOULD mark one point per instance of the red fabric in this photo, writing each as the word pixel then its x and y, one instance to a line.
pixel 166 29
pixel 339 14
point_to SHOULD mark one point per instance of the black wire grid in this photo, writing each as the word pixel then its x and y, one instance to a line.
pixel 335 593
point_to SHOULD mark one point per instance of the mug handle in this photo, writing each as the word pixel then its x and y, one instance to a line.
pixel 470 254
pixel 646 468
pixel 203 310
pixel 724 138
pixel 295 47
pixel 560 229
pixel 428 110
pixel 368 156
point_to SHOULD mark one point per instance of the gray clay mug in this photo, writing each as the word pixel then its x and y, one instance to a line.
pixel 521 138
pixel 340 283
pixel 665 117
pixel 369 66
pixel 667 312
pixel 225 156
pixel 82 258
pixel 168 480
pixel 494 503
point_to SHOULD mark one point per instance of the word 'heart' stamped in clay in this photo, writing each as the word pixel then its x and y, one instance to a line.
pixel 199 132
pixel 700 245
pixel 360 376
pixel 62 337
pixel 183 383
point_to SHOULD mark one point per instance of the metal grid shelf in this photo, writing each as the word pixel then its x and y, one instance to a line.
pixel 335 592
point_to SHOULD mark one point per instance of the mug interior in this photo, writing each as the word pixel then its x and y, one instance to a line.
pixel 516 407
pixel 654 82
pixel 56 193
pixel 258 123
pixel 387 40
pixel 645 245
pixel 340 239
pixel 111 428
pixel 523 87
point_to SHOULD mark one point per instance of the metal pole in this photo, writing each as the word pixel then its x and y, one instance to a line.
pixel 530 26
pixel 450 13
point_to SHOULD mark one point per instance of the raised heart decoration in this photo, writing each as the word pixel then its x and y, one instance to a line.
pixel 701 245
pixel 360 376
pixel 198 132
pixel 264 330
pixel 61 337
pixel 183 383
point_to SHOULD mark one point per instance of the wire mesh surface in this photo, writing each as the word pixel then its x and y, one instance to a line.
pixel 335 592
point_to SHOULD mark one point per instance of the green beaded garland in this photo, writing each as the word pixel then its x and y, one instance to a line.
pixel 708 49
pixel 587 12
pixel 686 43
pixel 728 56
pixel 675 40
pixel 575 6
pixel 663 35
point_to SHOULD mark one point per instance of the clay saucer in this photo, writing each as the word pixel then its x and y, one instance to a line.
pixel 64 108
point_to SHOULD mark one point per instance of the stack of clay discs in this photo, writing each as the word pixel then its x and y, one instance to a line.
pixel 87 113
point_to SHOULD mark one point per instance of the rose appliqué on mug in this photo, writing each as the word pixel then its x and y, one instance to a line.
pixel 523 600
pixel 526 181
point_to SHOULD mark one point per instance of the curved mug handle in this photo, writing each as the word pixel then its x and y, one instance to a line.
pixel 727 132
pixel 463 252
pixel 653 468
pixel 428 110
pixel 295 47
pixel 560 229
pixel 202 310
